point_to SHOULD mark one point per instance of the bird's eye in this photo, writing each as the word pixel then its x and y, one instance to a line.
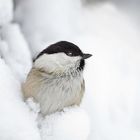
pixel 69 53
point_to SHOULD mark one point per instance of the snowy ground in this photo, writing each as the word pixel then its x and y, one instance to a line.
pixel 110 31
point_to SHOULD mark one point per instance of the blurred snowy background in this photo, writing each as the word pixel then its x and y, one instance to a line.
pixel 109 29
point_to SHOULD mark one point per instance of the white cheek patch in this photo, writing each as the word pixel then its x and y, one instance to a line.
pixel 57 61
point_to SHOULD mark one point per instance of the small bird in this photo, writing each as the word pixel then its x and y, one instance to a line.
pixel 56 78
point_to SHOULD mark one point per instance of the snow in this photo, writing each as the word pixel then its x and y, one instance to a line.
pixel 73 123
pixel 15 51
pixel 16 122
pixel 110 108
pixel 43 22
pixel 6 11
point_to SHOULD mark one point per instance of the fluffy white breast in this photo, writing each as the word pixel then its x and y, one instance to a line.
pixel 57 93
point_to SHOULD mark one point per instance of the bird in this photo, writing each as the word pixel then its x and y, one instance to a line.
pixel 56 80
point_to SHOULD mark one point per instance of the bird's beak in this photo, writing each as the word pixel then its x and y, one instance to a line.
pixel 85 56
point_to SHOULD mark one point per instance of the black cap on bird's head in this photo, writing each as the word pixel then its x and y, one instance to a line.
pixel 68 48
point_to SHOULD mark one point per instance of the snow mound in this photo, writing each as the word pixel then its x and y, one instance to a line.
pixel 72 124
pixel 15 51
pixel 16 122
